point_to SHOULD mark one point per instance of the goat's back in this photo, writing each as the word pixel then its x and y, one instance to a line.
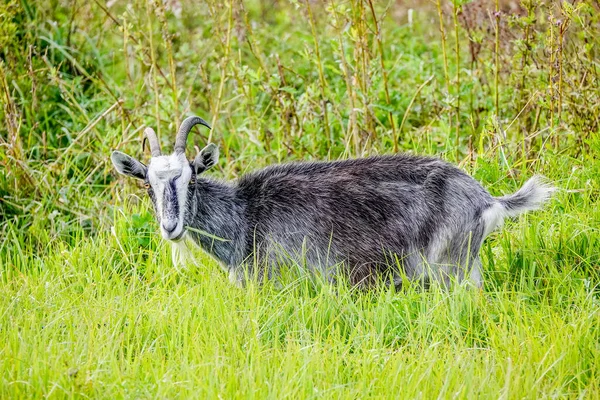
pixel 359 211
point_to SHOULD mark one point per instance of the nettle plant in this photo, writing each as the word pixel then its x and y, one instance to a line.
pixel 391 218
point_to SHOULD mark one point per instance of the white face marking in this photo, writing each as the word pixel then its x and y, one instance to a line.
pixel 169 177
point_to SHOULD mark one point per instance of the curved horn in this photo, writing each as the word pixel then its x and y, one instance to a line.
pixel 153 140
pixel 184 130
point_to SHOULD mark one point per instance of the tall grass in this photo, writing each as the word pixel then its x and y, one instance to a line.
pixel 90 303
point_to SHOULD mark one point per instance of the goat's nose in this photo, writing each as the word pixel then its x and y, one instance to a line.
pixel 169 225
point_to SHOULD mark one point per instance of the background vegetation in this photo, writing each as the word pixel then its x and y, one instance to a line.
pixel 89 302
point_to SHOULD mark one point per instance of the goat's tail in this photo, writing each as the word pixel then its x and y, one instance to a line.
pixel 531 196
pixel 534 193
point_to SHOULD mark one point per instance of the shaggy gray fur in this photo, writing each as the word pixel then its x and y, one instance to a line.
pixel 376 218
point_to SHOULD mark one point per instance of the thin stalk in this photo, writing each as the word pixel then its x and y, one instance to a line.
pixel 323 83
pixel 352 130
pixel 225 61
pixel 524 64
pixel 167 39
pixel 497 59
pixel 365 69
pixel 457 50
pixel 411 103
pixel 385 75
pixel 562 28
pixel 153 68
pixel 352 126
pixel 361 55
pixel 12 117
pixel 127 71
pixel 91 125
pixel 550 81
pixel 444 53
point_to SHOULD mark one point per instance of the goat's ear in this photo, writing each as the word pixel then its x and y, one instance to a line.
pixel 128 165
pixel 207 158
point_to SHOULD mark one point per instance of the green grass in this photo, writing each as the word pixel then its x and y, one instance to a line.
pixel 90 304
pixel 101 319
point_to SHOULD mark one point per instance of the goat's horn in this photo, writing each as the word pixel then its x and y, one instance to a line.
pixel 153 140
pixel 184 130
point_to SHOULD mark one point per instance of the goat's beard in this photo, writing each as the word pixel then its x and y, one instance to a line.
pixel 180 237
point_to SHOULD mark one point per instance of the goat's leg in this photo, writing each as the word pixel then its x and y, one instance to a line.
pixel 463 255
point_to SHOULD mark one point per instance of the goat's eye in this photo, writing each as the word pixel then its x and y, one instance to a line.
pixel 192 181
pixel 147 185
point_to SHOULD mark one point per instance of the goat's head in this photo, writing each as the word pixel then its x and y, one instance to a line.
pixel 170 179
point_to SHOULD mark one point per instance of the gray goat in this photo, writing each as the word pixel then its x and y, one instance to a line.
pixel 385 217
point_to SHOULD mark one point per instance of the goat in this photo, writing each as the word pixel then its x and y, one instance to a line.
pixel 390 217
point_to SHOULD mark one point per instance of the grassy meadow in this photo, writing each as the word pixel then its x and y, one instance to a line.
pixel 90 304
